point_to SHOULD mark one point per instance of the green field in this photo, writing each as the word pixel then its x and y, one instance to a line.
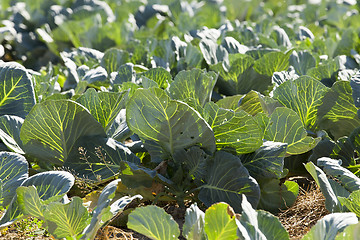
pixel 217 119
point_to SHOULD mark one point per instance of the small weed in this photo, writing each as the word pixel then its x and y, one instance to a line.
pixel 26 228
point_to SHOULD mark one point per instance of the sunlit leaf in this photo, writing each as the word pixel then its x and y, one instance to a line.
pixel 154 223
pixel 13 171
pixel 220 222
pixel 303 95
pixel 52 128
pixel 166 125
pixel 285 126
pixel 235 131
pixel 17 95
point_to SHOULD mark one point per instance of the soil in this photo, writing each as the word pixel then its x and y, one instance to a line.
pixel 298 219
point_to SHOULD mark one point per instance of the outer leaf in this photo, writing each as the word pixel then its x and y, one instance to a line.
pixel 323 149
pixel 258 224
pixel 52 128
pixel 355 86
pixel 104 106
pixel 267 161
pixel 348 148
pixel 240 78
pixel 302 61
pixel 352 202
pixel 195 160
pixel 350 232
pixel 347 42
pixel 272 62
pixel 159 75
pixel 113 58
pixel 10 132
pixel 66 220
pixel 262 121
pixel 13 171
pixel 125 73
pixel 165 125
pixel 346 74
pixel 324 73
pixel 96 76
pixel 280 36
pixel 119 130
pixel 194 84
pixel 285 126
pixel 193 57
pixel 17 95
pixel 329 188
pixel 98 158
pixel 193 227
pixel 338 115
pixel 217 116
pixel 29 202
pixel 251 103
pixel 234 131
pixel 148 83
pixel 330 225
pixel 333 168
pixel 227 180
pixel 48 184
pixel 135 176
pixel 305 33
pixel 212 52
pixel 276 195
pixel 344 149
pixel 154 223
pixel 304 96
pixel 233 46
pixel 85 56
pixel 46 84
pixel 230 102
pixel 220 222
pixel 117 206
pixel 104 211
pixel 280 77
pixel 73 78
